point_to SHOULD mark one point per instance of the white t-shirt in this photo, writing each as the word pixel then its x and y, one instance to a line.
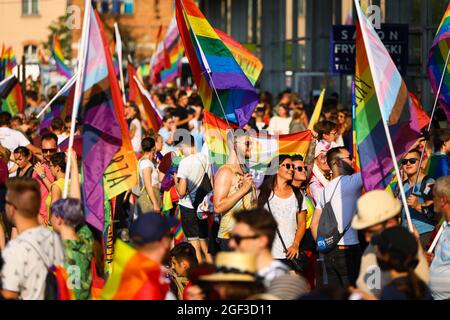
pixel 11 139
pixel 344 204
pixel 285 213
pixel 192 168
pixel 146 163
pixel 279 125
pixel 24 270
pixel 136 141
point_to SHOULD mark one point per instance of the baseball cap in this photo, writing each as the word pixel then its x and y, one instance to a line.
pixel 323 146
pixel 398 241
pixel 151 227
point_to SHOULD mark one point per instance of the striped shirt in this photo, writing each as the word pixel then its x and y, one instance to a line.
pixel 440 267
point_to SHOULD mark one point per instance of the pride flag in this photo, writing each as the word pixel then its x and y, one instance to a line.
pixel 2 63
pixel 57 54
pixel 250 64
pixel 379 89
pixel 109 163
pixel 214 66
pixel 61 107
pixel 132 276
pixel 13 103
pixel 174 49
pixel 159 60
pixel 7 85
pixel 41 58
pixel 436 62
pixel 264 146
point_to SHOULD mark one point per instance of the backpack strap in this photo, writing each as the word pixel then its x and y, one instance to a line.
pixel 324 199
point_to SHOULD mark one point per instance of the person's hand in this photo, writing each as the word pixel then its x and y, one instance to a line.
pixel 39 168
pixel 292 252
pixel 314 134
pixel 156 208
pixel 73 157
pixel 429 256
pixel 364 295
pixel 413 202
pixel 195 293
pixel 247 183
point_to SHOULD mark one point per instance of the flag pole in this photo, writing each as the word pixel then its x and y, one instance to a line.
pixel 431 119
pixel 436 238
pixel 78 90
pixel 119 56
pixel 64 88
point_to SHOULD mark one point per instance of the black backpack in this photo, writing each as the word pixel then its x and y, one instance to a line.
pixel 204 188
pixel 328 234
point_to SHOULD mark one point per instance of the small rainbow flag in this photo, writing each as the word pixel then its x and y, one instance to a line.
pixel 41 58
pixel 223 86
pixel 131 272
pixel 57 53
pixel 14 101
pixel 436 62
pixel 174 49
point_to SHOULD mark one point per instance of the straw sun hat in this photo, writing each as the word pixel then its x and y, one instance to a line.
pixel 233 266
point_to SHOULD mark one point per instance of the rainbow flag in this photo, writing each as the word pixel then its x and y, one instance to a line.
pixel 61 107
pixel 174 49
pixel 264 146
pixel 131 272
pixel 159 60
pixel 41 58
pixel 3 63
pixel 147 106
pixel 250 64
pixel 57 54
pixel 109 164
pixel 143 70
pixel 7 85
pixel 214 66
pixel 436 62
pixel 380 96
pixel 14 101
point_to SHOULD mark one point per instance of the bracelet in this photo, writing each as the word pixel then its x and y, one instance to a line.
pixel 42 176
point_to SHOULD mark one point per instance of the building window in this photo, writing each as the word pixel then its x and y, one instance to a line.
pixel 30 7
pixel 30 52
pixel 124 7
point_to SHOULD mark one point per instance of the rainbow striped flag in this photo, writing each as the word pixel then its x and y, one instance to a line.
pixel 132 276
pixel 41 58
pixel 2 63
pixel 223 86
pixel 436 62
pixel 159 60
pixel 381 95
pixel 264 146
pixel 14 101
pixel 57 54
pixel 7 85
pixel 174 49
pixel 251 65
pixel 109 164
pixel 61 107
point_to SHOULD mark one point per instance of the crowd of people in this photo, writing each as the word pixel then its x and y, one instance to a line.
pixel 255 243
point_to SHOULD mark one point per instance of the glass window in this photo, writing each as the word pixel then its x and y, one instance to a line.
pixel 30 52
pixel 30 7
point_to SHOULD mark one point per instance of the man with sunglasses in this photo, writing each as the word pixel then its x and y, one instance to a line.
pixel 372 219
pixel 42 173
pixel 254 233
pixel 421 218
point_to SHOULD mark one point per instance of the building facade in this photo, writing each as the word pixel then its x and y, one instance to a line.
pixel 292 37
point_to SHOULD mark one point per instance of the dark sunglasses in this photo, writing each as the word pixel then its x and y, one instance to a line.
pixel 300 168
pixel 53 150
pixel 238 238
pixel 288 166
pixel 410 160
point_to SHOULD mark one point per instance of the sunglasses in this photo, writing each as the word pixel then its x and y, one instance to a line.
pixel 410 160
pixel 237 238
pixel 288 166
pixel 300 168
pixel 52 150
pixel 349 157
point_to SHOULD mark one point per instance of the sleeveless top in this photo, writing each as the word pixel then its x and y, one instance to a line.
pixel 48 201
pixel 248 202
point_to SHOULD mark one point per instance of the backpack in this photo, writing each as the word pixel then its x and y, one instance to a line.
pixel 328 234
pixel 203 190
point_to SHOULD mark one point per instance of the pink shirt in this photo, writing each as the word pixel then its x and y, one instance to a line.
pixel 315 187
pixel 44 192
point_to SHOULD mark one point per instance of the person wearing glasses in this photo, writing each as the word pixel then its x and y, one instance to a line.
pixel 341 264
pixel 42 173
pixel 420 216
pixel 287 205
pixel 254 233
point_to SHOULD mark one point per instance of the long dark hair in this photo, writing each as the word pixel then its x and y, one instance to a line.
pixel 270 181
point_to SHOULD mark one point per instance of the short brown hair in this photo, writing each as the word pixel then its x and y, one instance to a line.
pixel 25 195
pixel 260 221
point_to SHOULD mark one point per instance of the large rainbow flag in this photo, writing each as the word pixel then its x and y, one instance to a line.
pixel 159 60
pixel 57 54
pixel 109 163
pixel 14 101
pixel 214 66
pixel 174 49
pixel 131 272
pixel 381 95
pixel 264 146
pixel 251 65
pixel 436 62
pixel 61 106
